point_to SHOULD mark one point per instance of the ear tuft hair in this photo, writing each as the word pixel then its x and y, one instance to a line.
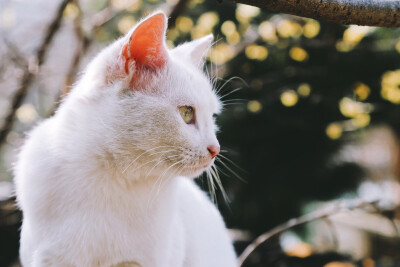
pixel 196 50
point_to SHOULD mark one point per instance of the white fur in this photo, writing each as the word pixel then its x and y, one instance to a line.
pixel 101 183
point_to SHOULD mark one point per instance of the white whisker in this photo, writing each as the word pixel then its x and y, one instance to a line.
pixel 229 169
pixel 142 154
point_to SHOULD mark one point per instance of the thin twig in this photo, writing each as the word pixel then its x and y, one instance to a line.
pixel 102 17
pixel 320 214
pixel 28 76
pixel 14 54
pixel 85 41
pixel 333 232
pixel 96 21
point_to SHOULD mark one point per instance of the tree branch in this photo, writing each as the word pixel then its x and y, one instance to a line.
pixel 319 214
pixel 84 43
pixel 384 13
pixel 28 76
pixel 85 40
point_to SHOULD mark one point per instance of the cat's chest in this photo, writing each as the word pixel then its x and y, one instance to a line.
pixel 123 236
pixel 127 248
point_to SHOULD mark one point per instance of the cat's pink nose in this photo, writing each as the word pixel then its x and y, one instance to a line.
pixel 214 150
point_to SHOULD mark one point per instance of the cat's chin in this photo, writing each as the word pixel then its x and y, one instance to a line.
pixel 196 171
pixel 193 174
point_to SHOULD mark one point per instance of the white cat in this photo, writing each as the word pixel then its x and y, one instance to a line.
pixel 101 183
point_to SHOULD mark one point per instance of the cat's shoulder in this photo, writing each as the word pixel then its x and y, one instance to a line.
pixel 41 130
pixel 37 144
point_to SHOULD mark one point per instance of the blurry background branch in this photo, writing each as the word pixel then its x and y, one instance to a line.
pixel 360 12
pixel 86 39
pixel 15 55
pixel 30 72
pixel 338 207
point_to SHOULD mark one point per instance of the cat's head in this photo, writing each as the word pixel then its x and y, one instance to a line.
pixel 153 107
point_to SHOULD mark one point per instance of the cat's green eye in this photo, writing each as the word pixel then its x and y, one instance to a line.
pixel 187 114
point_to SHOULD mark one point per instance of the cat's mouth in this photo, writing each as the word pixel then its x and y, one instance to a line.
pixel 196 167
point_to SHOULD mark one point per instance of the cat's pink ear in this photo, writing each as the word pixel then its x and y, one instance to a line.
pixel 146 44
pixel 196 50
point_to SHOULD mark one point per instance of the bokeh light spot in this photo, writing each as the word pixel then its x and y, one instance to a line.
pixel 245 12
pixel 311 29
pixel 301 250
pixel 361 120
pixel 228 27
pixel 198 32
pixel 125 24
pixel 298 54
pixel 256 52
pixel 390 86
pixel 205 25
pixel 343 46
pixel 254 106
pixel 221 53
pixel 334 130
pixel 134 5
pixel 350 108
pixel 267 31
pixel 354 33
pixel 304 89
pixel 233 38
pixel 172 34
pixel 289 98
pixel 361 91
pixel 120 4
pixel 208 20
pixel 184 24
pixel 71 11
pixel 26 113
pixel 289 28
pixel 352 36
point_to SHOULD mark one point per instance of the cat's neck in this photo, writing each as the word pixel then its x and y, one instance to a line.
pixel 111 190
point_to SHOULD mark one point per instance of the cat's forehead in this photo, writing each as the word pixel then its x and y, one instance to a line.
pixel 192 87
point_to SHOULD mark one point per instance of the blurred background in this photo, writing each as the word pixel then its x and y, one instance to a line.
pixel 311 117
